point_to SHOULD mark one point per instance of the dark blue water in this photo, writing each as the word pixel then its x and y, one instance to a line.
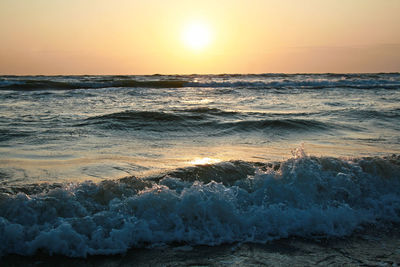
pixel 199 159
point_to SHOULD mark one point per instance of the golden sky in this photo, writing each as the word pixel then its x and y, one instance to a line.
pixel 145 37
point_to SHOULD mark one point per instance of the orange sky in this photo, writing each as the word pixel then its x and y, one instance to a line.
pixel 145 37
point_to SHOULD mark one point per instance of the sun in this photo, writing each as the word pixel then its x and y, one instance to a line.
pixel 196 35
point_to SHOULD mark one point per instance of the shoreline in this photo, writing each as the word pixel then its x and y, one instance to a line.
pixel 374 247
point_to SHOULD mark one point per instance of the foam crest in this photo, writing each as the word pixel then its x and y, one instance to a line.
pixel 314 82
pixel 227 202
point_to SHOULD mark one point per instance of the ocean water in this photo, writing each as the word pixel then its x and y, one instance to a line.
pixel 100 164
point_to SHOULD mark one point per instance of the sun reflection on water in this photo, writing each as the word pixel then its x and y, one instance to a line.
pixel 203 161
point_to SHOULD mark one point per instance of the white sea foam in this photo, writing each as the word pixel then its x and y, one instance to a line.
pixel 305 196
pixel 303 84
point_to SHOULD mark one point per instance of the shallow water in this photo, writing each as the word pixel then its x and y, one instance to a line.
pixel 375 248
pixel 99 164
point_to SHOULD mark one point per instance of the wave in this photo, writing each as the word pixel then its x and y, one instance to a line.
pixel 32 84
pixel 201 119
pixel 9 134
pixel 251 81
pixel 208 111
pixel 305 196
pixel 386 75
pixel 199 113
pixel 383 114
pixel 310 83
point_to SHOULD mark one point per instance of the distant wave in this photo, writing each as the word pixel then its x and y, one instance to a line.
pixel 7 134
pixel 40 84
pixel 356 114
pixel 387 114
pixel 178 115
pixel 304 84
pixel 209 111
pixel 312 197
pixel 263 81
pixel 386 75
pixel 200 119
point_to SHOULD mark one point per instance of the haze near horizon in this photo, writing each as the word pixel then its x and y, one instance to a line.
pixel 146 37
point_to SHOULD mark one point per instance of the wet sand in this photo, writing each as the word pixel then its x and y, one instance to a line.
pixel 372 248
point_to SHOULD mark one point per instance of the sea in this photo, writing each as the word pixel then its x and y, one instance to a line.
pixel 99 165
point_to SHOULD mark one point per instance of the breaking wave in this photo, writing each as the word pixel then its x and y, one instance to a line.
pixel 305 196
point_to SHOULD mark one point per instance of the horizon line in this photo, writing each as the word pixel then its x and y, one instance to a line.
pixel 211 74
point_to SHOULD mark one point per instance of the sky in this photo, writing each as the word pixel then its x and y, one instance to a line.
pixel 50 37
